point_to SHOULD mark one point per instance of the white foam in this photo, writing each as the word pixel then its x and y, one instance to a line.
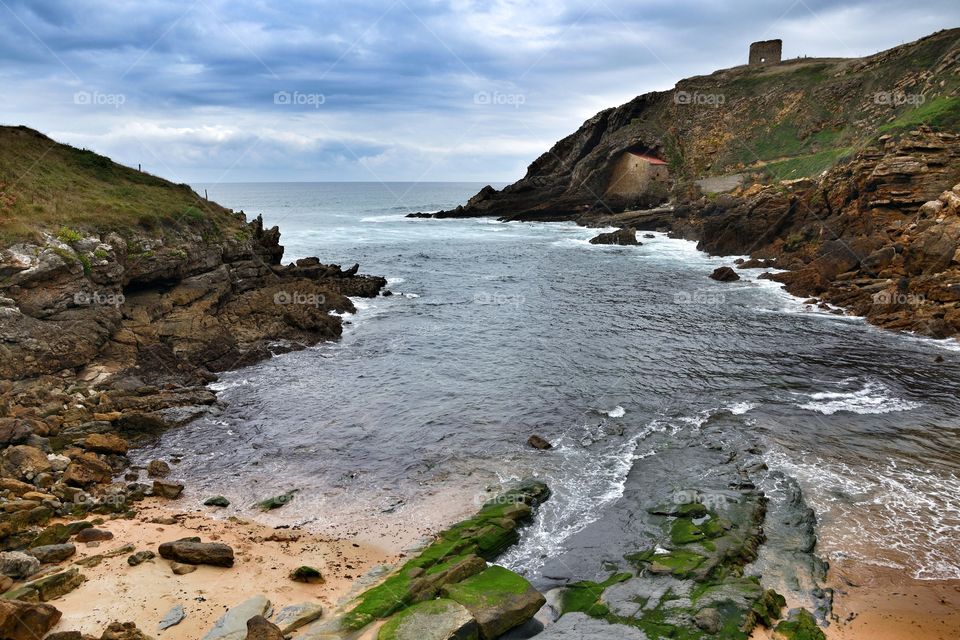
pixel 617 412
pixel 394 217
pixel 395 280
pixel 740 408
pixel 872 398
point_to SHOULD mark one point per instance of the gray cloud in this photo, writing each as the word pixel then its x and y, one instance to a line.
pixel 404 89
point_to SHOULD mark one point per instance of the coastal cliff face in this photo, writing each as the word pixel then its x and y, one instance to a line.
pixel 121 295
pixel 840 170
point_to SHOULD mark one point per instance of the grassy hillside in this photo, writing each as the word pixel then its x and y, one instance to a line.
pixel 53 187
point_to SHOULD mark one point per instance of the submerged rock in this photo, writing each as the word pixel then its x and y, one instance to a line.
pixel 725 274
pixel 539 442
pixel 277 501
pixel 624 237
pixel 216 501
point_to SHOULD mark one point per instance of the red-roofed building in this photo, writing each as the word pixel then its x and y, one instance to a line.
pixel 638 174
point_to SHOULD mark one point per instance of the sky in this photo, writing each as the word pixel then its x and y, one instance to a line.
pixel 388 90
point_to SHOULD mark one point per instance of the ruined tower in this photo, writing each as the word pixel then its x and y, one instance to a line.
pixel 766 52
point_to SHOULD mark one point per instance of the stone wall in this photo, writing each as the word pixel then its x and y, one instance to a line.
pixel 766 52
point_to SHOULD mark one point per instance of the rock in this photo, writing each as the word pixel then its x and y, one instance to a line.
pixel 800 625
pixel 725 274
pixel 51 553
pixel 158 469
pixel 48 587
pixel 92 561
pixel 277 501
pixel 58 462
pixel 13 431
pixel 26 621
pixel 140 557
pixel 233 624
pixel 180 569
pixel 87 469
pixel 123 631
pixel 708 619
pixel 173 617
pixel 580 626
pixel 538 442
pixel 259 628
pixel 306 574
pixel 18 565
pixel 58 533
pixel 431 620
pixel 292 617
pixel 217 501
pixel 106 443
pixel 68 635
pixel 94 535
pixel 619 237
pixel 649 236
pixel 498 599
pixel 167 489
pixel 23 462
pixel 192 551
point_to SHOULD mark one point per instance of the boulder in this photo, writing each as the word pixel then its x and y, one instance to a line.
pixel 620 237
pixel 431 620
pixel 233 624
pixel 18 565
pixel 167 489
pixel 192 551
pixel 48 587
pixel 106 443
pixel 277 501
pixel 23 462
pixel 94 535
pixel 58 533
pixel 50 553
pixel 216 501
pixel 26 621
pixel 87 469
pixel 539 442
pixel 180 569
pixel 306 574
pixel 725 274
pixel 259 628
pixel 498 599
pixel 123 631
pixel 292 617
pixel 158 469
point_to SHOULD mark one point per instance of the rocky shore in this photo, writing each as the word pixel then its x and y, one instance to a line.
pixel 805 166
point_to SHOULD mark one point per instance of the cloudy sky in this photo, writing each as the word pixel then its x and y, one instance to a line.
pixel 241 90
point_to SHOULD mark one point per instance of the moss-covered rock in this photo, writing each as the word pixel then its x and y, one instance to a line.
pixel 800 626
pixel 498 598
pixel 431 620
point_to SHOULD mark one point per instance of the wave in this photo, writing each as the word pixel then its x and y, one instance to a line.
pixel 872 398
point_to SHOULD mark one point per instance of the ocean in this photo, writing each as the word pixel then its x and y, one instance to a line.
pixel 497 331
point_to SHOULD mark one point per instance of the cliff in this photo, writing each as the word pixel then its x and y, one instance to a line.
pixel 841 170
pixel 122 294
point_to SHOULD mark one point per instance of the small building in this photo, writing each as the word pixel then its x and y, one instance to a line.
pixel 766 52
pixel 638 174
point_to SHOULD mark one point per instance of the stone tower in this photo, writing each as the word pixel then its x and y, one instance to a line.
pixel 766 52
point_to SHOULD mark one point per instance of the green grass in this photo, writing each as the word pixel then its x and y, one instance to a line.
pixel 940 113
pixel 58 189
pixel 806 166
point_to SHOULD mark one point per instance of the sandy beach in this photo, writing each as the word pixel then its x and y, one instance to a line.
pixel 264 559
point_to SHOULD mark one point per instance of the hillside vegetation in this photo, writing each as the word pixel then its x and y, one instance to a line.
pixel 50 187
